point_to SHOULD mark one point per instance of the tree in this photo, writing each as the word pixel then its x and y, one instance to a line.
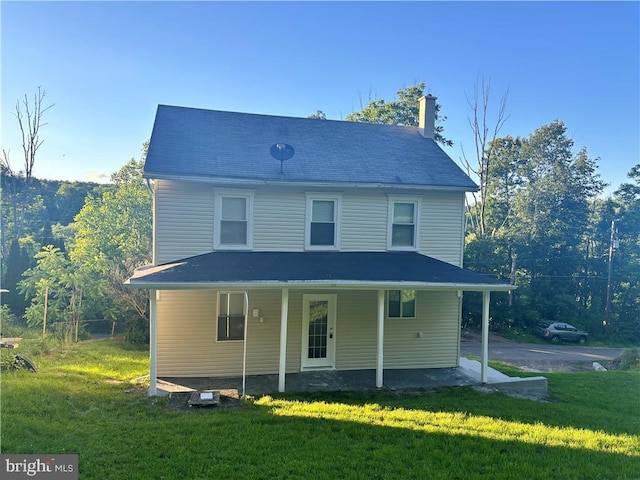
pixel 403 111
pixel 319 115
pixel 625 277
pixel 68 200
pixel 485 138
pixel 50 285
pixel 539 198
pixel 112 237
pixel 628 192
pixel 30 120
pixel 17 262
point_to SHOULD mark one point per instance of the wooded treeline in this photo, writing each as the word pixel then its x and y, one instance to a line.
pixel 79 243
pixel 574 256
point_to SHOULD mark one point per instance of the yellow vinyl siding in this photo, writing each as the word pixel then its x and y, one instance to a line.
pixel 279 220
pixel 187 344
pixel 442 226
pixel 357 330
pixel 437 319
pixel 364 222
pixel 183 220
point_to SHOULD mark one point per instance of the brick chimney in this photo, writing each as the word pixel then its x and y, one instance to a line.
pixel 427 117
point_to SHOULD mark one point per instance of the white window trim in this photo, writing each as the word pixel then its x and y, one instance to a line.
pixel 227 292
pixel 219 194
pixel 417 201
pixel 337 199
pixel 415 311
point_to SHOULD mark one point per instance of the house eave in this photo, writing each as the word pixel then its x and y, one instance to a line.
pixel 249 182
pixel 310 284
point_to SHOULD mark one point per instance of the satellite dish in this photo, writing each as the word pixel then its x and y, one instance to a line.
pixel 282 152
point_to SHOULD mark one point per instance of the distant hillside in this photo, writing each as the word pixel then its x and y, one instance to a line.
pixel 51 202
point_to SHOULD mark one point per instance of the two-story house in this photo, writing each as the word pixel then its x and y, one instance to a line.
pixel 284 245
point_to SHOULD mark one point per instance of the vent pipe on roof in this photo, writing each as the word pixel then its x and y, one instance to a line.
pixel 427 117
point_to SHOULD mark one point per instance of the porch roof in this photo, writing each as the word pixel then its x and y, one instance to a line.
pixel 231 269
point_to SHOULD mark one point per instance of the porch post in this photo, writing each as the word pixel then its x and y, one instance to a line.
pixel 380 358
pixel 153 345
pixel 486 296
pixel 284 309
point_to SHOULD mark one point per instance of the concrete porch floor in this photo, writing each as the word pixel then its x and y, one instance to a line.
pixel 313 381
pixel 468 373
pixel 327 381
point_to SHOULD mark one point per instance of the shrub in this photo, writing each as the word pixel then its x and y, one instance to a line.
pixel 629 360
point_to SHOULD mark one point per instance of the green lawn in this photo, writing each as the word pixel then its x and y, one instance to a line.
pixel 82 401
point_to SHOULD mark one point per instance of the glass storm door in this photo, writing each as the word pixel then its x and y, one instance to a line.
pixel 318 331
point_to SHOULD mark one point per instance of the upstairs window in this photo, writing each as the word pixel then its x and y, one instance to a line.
pixel 231 315
pixel 322 223
pixel 401 304
pixel 403 224
pixel 234 222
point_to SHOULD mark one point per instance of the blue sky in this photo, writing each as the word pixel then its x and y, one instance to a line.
pixel 107 65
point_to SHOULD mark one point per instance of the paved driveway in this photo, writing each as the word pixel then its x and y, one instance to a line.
pixel 540 357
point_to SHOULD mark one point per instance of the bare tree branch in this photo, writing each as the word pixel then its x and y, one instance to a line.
pixel 30 119
pixel 484 137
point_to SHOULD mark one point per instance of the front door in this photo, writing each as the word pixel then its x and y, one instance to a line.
pixel 318 331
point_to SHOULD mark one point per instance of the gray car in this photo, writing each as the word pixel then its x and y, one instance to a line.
pixel 558 332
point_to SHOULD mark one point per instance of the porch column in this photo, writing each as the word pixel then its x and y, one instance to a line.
pixel 486 296
pixel 153 345
pixel 380 359
pixel 284 315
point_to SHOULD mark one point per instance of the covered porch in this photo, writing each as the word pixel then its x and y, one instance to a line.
pixel 376 272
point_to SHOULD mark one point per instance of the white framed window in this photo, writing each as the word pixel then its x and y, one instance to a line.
pixel 403 226
pixel 401 304
pixel 231 315
pixel 233 228
pixel 322 230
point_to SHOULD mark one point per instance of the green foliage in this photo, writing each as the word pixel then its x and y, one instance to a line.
pixel 404 111
pixel 53 282
pixel 629 360
pixel 112 237
pixel 68 199
pixel 18 260
pixel 51 202
pixel 319 115
pixel 10 325
pixel 550 235
pixel 626 260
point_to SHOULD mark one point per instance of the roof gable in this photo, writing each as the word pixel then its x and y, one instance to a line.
pixel 209 144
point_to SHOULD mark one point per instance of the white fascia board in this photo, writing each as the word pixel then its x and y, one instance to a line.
pixel 344 284
pixel 245 182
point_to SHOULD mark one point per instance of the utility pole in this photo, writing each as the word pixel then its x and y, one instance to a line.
pixel 612 247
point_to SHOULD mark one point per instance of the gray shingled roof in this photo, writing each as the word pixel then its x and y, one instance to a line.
pixel 312 268
pixel 190 142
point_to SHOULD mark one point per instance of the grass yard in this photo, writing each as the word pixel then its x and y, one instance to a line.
pixel 82 401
